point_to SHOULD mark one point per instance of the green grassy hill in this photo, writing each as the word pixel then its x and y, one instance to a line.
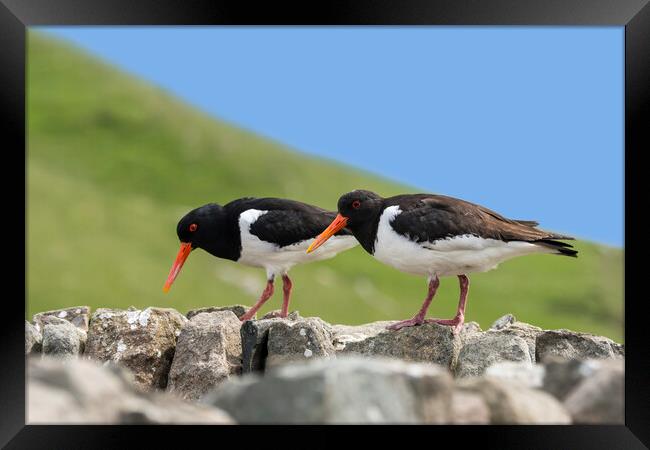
pixel 113 162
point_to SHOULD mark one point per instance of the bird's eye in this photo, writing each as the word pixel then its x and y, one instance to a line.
pixel 193 227
pixel 356 204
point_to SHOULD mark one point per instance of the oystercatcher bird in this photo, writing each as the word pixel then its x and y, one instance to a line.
pixel 437 236
pixel 272 233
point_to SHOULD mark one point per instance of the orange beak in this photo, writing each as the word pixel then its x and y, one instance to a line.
pixel 183 253
pixel 338 223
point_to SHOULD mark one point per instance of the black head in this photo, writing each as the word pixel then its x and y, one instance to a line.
pixel 358 211
pixel 359 206
pixel 194 231
pixel 197 226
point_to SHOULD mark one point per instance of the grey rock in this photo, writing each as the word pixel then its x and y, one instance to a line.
pixel 599 398
pixel 424 343
pixel 305 338
pixel 165 410
pixel 143 341
pixel 468 408
pixel 238 310
pixel 339 391
pixel 481 350
pixel 76 315
pixel 503 322
pixel 275 314
pixel 61 338
pixel 513 403
pixel 509 325
pixel 525 331
pixel 344 335
pixel 561 375
pixel 33 339
pixel 85 392
pixel 254 338
pixel 524 373
pixel 208 351
pixel 469 329
pixel 573 345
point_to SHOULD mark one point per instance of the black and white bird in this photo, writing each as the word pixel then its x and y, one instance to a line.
pixel 271 233
pixel 437 236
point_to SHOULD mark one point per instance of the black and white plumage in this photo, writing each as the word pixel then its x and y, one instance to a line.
pixel 436 236
pixel 270 233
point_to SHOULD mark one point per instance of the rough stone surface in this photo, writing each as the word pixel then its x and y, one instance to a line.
pixel 344 390
pixel 524 373
pixel 512 403
pixel 525 331
pixel 85 392
pixel 573 345
pixel 76 315
pixel 425 343
pixel 298 340
pixel 61 338
pixel 481 350
pixel 508 324
pixel 599 397
pixel 238 310
pixel 33 339
pixel 208 351
pixel 468 408
pixel 275 314
pixel 469 329
pixel 309 371
pixel 561 375
pixel 142 341
pixel 344 335
pixel 254 337
pixel 503 322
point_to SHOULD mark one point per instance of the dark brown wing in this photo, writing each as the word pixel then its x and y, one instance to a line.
pixel 427 218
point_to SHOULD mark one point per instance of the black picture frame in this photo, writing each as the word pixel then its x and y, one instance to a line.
pixel 634 15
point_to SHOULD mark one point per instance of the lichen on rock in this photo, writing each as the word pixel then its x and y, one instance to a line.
pixel 305 370
pixel 208 352
pixel 144 341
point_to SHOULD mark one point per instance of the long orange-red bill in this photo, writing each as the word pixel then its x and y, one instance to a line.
pixel 338 223
pixel 183 253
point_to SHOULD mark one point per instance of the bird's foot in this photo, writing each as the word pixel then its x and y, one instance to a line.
pixel 417 320
pixel 456 323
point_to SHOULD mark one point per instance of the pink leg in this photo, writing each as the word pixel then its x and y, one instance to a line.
pixel 419 317
pixel 268 292
pixel 286 289
pixel 459 319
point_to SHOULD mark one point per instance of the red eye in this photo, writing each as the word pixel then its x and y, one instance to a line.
pixel 356 204
pixel 193 227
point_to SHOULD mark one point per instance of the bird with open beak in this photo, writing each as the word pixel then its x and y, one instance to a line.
pixel 270 233
pixel 437 236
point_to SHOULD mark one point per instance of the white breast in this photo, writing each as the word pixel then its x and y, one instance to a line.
pixel 278 260
pixel 453 256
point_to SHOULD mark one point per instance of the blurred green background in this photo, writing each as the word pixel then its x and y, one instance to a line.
pixel 114 162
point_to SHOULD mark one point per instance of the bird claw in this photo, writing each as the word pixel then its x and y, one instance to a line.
pixel 246 317
pixel 406 323
pixel 456 323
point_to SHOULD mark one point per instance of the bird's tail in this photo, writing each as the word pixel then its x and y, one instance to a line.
pixel 562 248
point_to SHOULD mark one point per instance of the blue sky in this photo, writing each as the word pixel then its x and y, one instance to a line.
pixel 524 120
